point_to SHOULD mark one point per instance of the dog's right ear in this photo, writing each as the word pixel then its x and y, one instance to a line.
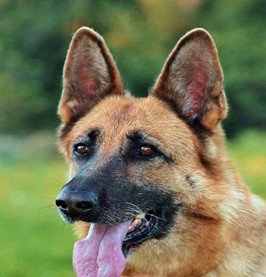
pixel 90 74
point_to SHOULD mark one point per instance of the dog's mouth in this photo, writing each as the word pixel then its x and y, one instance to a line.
pixel 141 229
pixel 106 248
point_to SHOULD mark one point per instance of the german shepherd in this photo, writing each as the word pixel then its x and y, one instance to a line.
pixel 152 190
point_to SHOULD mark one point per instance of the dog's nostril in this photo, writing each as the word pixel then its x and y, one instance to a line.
pixel 85 205
pixel 76 204
pixel 61 204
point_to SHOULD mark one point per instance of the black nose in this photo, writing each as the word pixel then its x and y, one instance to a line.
pixel 73 202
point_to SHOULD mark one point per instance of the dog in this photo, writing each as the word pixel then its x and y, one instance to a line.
pixel 152 191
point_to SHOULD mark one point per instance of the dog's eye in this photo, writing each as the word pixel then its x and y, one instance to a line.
pixel 81 149
pixel 146 151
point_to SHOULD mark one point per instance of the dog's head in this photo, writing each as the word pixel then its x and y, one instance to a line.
pixel 155 161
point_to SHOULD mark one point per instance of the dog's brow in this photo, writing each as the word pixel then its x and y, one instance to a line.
pixel 139 137
pixel 136 136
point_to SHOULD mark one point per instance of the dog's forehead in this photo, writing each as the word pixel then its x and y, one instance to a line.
pixel 117 116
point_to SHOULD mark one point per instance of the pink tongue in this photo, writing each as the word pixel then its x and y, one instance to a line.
pixel 100 253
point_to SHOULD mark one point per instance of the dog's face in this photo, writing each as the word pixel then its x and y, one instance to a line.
pixel 155 160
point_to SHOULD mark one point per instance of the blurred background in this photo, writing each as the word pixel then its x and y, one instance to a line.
pixel 34 38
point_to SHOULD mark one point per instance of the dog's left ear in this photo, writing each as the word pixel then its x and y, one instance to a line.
pixel 192 80
pixel 90 74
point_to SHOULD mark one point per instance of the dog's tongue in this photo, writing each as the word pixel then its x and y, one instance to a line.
pixel 100 254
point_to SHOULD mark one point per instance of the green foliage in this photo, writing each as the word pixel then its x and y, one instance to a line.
pixel 248 153
pixel 237 28
pixel 34 37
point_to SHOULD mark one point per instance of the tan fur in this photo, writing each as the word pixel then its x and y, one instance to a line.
pixel 221 231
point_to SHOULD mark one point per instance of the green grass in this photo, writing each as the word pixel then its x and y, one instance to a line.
pixel 34 240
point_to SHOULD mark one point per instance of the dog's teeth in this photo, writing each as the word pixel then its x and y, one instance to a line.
pixel 134 225
pixel 136 222
pixel 130 229
pixel 140 216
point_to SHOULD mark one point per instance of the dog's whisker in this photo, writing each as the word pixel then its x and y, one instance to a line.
pixel 133 211
pixel 153 215
pixel 129 214
pixel 111 219
pixel 48 207
pixel 139 210
pixel 45 197
pixel 56 181
pixel 137 207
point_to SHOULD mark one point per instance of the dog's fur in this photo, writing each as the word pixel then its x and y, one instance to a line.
pixel 220 230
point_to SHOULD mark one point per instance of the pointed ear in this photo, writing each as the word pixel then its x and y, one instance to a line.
pixel 90 74
pixel 192 80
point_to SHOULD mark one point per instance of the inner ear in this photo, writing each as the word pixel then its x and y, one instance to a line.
pixel 191 80
pixel 90 74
